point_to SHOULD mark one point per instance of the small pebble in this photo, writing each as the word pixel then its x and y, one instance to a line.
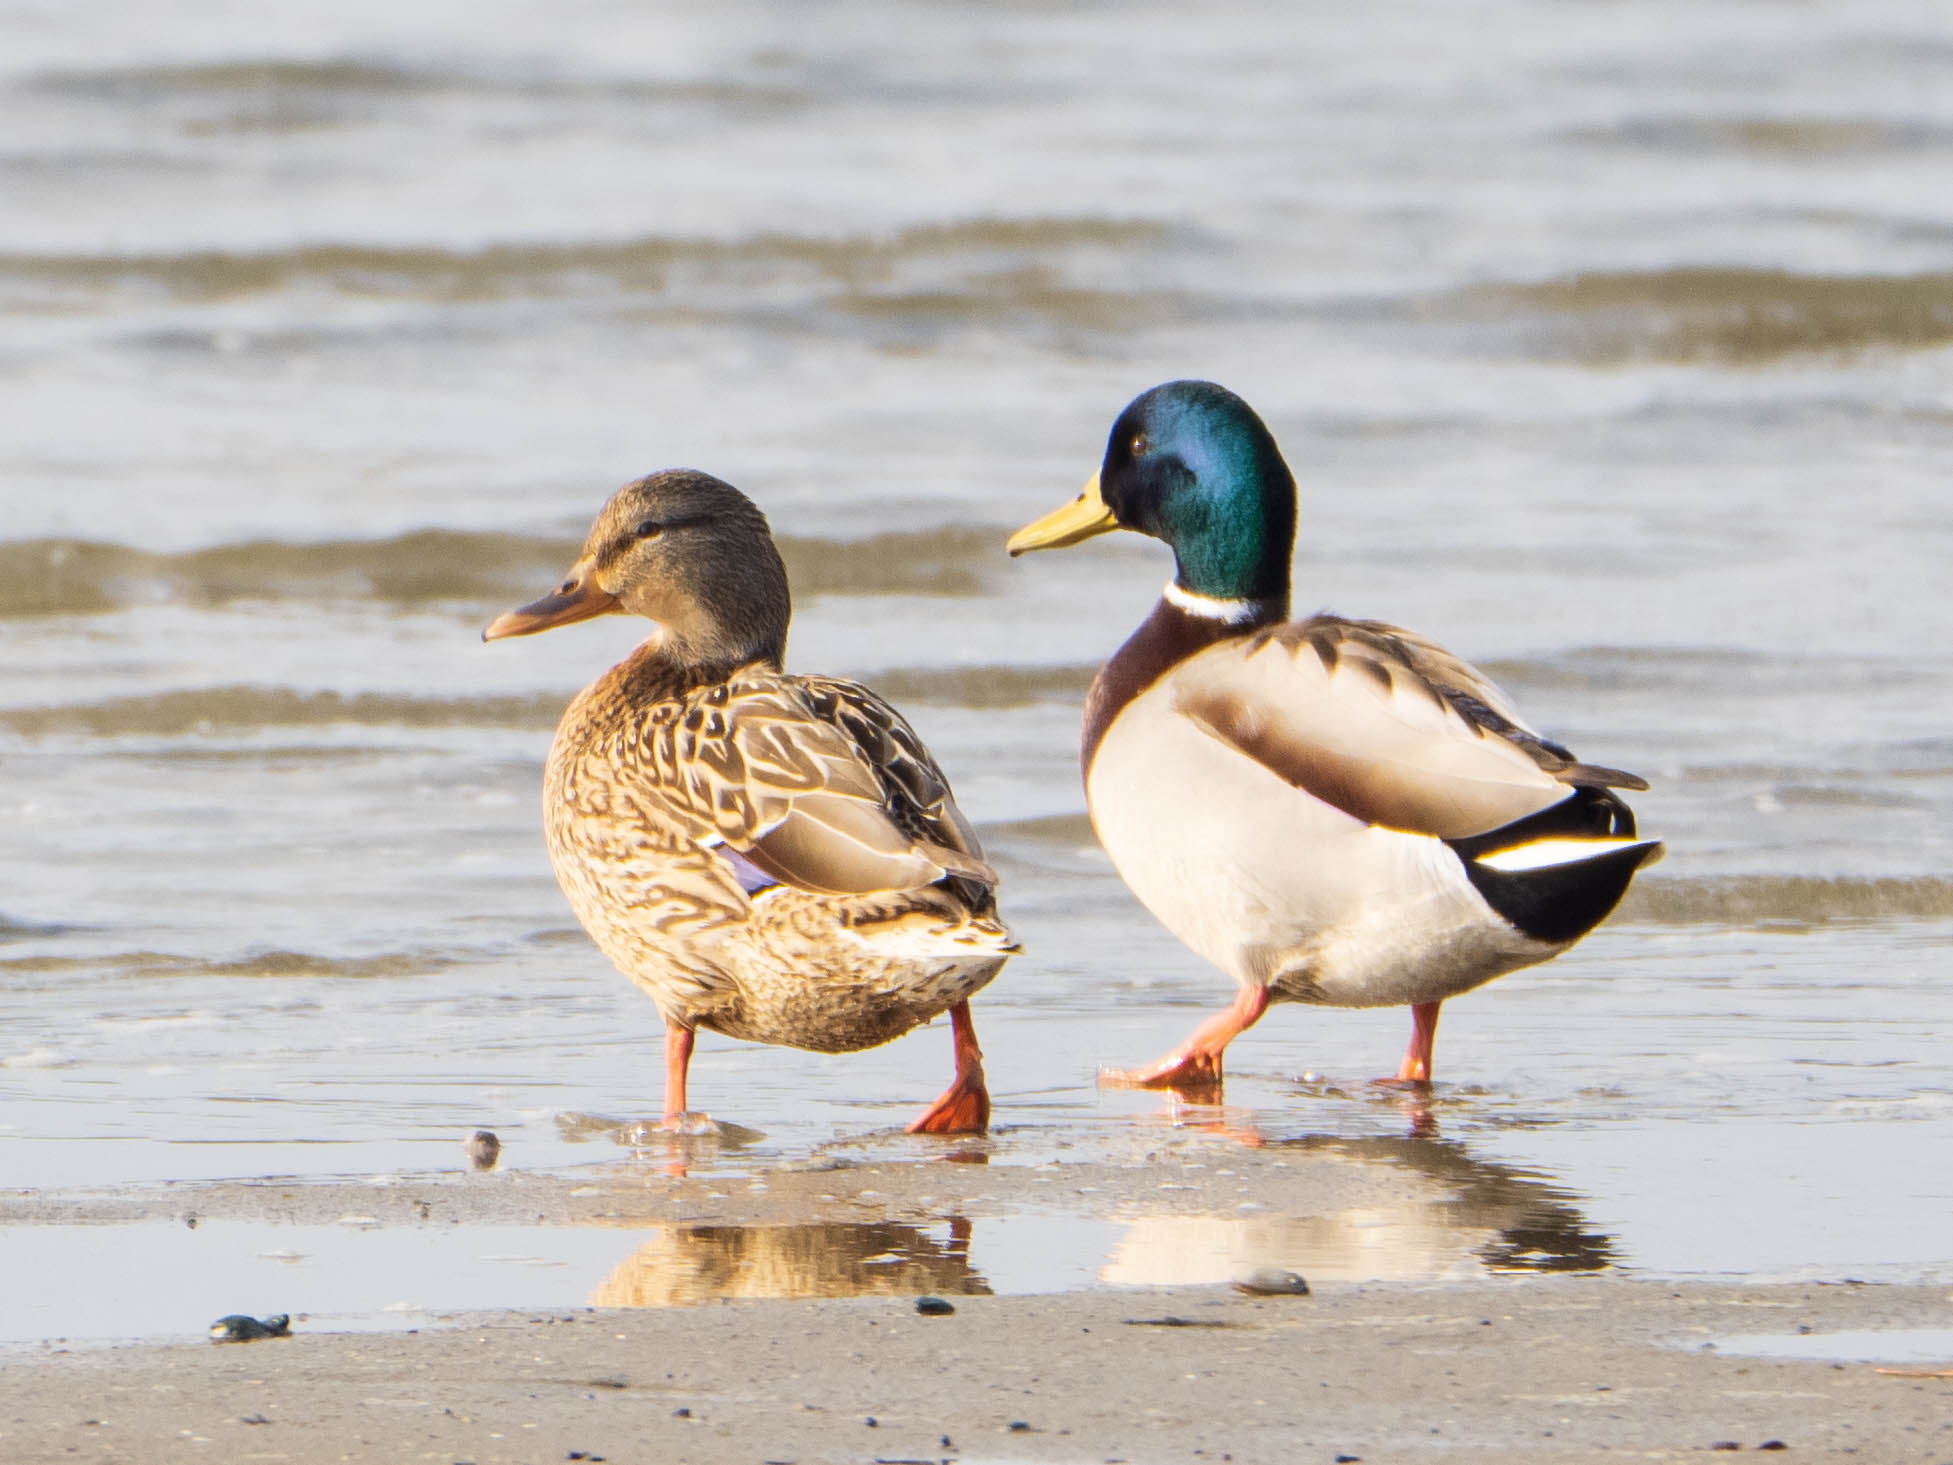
pixel 1272 1282
pixel 681 1412
pixel 934 1306
pixel 1020 1426
pixel 483 1149
pixel 1773 1445
pixel 237 1328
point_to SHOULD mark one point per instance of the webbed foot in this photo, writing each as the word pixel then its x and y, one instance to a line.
pixel 1195 1068
pixel 964 1107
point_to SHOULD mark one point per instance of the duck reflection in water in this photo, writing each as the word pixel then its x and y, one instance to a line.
pixel 1198 1106
pixel 1466 1217
pixel 683 1266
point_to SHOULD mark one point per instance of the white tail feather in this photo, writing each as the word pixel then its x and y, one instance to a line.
pixel 1538 854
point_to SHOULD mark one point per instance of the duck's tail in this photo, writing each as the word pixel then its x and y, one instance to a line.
pixel 1556 874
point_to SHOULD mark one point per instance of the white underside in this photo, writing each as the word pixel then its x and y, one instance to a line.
pixel 921 940
pixel 1278 888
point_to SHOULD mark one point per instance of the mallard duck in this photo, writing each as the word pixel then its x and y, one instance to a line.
pixel 772 856
pixel 1332 811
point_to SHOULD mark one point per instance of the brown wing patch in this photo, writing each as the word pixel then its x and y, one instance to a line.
pixel 1477 700
pixel 1377 671
pixel 822 785
pixel 1372 790
pixel 1381 724
pixel 916 793
pixel 815 780
pixel 838 846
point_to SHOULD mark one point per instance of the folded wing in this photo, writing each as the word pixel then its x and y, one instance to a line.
pixel 1382 724
pixel 821 785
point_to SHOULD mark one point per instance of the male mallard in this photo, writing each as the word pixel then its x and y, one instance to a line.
pixel 772 856
pixel 1334 811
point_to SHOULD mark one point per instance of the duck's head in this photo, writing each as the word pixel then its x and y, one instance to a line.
pixel 1191 464
pixel 688 551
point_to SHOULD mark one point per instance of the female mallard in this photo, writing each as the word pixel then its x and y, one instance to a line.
pixel 1333 811
pixel 771 856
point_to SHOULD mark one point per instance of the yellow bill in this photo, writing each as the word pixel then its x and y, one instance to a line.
pixel 1081 519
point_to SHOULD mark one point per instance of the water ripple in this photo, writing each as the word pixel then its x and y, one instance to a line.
pixel 647 265
pixel 276 963
pixel 245 708
pixel 1713 315
pixel 76 576
pixel 1754 900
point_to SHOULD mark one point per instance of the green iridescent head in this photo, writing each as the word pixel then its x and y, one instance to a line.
pixel 1191 464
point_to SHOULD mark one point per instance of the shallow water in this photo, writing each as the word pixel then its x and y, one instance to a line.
pixel 1621 362
pixel 157 1279
pixel 1890 1345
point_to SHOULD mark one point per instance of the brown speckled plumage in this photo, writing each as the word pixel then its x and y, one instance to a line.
pixel 648 776
pixel 771 856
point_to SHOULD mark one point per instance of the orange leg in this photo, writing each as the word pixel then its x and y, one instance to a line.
pixel 964 1107
pixel 1416 1067
pixel 678 1062
pixel 1196 1063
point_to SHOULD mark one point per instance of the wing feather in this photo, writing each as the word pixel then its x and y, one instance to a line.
pixel 820 784
pixel 1382 724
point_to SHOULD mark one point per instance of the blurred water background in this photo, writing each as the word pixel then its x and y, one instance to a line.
pixel 1612 346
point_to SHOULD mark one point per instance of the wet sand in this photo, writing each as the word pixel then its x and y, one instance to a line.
pixel 1536 1370
pixel 1519 1368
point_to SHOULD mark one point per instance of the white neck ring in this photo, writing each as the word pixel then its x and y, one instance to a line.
pixel 1209 608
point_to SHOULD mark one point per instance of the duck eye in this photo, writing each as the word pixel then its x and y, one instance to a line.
pixel 648 529
pixel 1138 445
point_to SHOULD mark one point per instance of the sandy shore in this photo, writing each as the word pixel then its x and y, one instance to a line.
pixel 1535 1370
pixel 1512 1369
